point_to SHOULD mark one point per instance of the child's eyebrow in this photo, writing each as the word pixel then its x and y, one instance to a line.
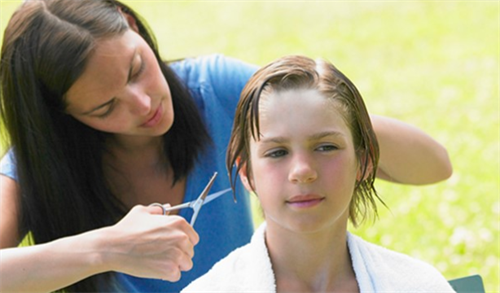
pixel 314 136
pixel 324 134
pixel 272 140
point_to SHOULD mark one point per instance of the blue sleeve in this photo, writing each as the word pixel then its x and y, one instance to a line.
pixel 215 80
pixel 8 165
pixel 228 77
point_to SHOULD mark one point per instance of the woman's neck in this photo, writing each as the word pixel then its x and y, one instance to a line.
pixel 311 262
pixel 135 152
pixel 132 144
pixel 139 172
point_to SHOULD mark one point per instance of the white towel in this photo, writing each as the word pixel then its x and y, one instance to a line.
pixel 381 270
pixel 249 269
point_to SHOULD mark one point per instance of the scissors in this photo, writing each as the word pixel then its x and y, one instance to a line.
pixel 196 204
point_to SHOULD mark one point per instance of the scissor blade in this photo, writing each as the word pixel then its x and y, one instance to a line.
pixel 209 198
pixel 205 191
pixel 197 204
pixel 215 195
pixel 200 201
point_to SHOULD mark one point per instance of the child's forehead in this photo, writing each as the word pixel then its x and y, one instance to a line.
pixel 298 97
pixel 297 103
pixel 289 122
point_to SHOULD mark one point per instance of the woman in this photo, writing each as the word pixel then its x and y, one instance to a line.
pixel 99 127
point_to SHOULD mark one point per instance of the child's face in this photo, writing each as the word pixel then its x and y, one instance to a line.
pixel 304 166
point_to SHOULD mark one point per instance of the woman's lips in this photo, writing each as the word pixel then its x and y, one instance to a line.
pixel 305 201
pixel 155 119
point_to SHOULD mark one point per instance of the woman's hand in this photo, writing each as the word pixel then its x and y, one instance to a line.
pixel 146 243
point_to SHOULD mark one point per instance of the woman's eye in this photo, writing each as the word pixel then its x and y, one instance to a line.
pixel 107 113
pixel 276 153
pixel 139 71
pixel 327 148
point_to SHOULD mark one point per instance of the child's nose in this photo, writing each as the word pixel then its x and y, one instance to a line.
pixel 302 170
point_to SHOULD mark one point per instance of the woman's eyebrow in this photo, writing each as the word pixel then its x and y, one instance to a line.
pixel 129 76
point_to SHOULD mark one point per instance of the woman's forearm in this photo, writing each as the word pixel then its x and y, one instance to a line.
pixel 51 266
pixel 144 244
pixel 408 155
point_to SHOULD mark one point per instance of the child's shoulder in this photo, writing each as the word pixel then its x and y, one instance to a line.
pixel 383 269
pixel 246 268
pixel 218 277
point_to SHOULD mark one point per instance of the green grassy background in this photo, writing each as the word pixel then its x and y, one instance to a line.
pixel 434 64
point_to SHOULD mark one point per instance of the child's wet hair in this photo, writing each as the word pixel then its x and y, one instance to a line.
pixel 299 72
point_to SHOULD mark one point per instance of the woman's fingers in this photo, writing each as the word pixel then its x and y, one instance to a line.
pixel 158 209
pixel 148 244
pixel 173 268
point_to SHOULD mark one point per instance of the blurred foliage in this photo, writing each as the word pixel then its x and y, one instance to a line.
pixel 434 64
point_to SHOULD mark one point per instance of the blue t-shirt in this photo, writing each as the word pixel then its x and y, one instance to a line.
pixel 215 82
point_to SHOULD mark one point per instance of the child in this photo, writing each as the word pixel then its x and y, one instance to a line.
pixel 303 142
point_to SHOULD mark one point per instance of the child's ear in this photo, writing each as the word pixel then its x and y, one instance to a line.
pixel 245 179
pixel 131 21
pixel 369 168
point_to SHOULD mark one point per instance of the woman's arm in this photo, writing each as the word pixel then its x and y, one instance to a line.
pixel 48 267
pixel 144 244
pixel 408 155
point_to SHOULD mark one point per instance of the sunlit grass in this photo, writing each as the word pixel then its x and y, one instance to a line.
pixel 434 64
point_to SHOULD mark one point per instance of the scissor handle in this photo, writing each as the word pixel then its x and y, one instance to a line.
pixel 195 204
pixel 177 207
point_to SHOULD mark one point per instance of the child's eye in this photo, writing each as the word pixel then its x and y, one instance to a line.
pixel 327 148
pixel 276 153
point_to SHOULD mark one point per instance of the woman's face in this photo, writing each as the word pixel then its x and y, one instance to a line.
pixel 122 89
pixel 304 166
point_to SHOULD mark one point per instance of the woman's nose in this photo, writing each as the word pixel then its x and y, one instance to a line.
pixel 302 170
pixel 139 101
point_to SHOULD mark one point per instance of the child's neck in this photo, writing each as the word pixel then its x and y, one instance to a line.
pixel 311 262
